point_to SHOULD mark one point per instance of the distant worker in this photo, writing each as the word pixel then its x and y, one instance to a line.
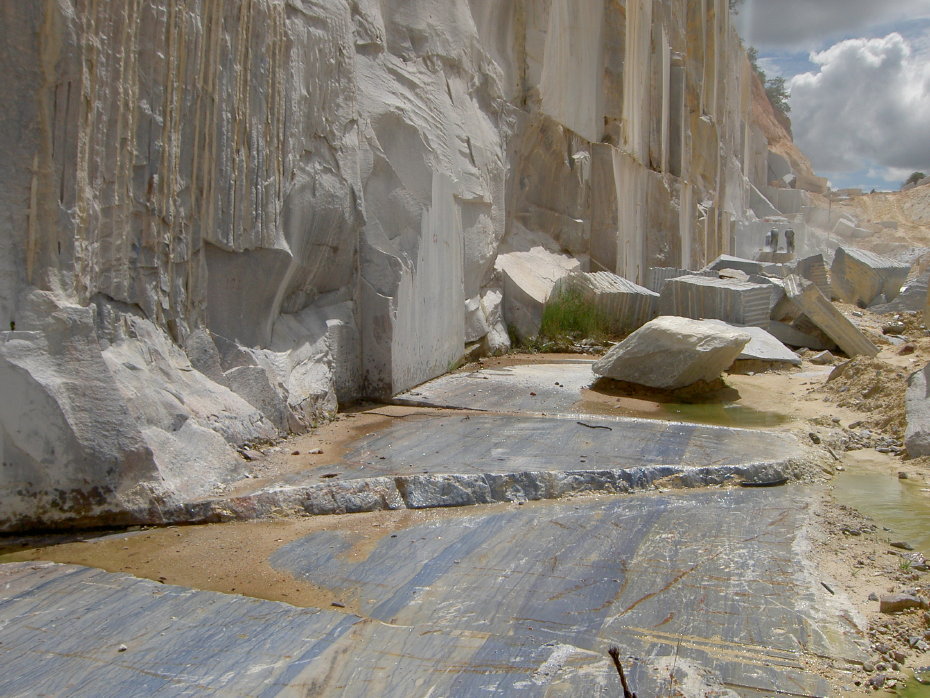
pixel 771 240
pixel 789 241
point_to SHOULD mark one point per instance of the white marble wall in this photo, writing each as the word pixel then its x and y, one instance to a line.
pixel 303 200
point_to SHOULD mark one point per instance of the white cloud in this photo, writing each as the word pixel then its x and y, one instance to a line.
pixel 770 66
pixel 807 24
pixel 865 106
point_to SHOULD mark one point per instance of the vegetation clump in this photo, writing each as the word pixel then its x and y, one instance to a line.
pixel 571 322
pixel 914 178
pixel 572 314
pixel 775 88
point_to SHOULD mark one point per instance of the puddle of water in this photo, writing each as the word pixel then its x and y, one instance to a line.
pixel 913 689
pixel 898 504
pixel 715 414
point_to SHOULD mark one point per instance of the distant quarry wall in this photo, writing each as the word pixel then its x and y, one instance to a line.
pixel 220 219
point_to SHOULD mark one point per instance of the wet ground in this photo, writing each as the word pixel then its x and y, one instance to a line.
pixel 903 506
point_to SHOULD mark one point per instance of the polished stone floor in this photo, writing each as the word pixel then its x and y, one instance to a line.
pixel 703 589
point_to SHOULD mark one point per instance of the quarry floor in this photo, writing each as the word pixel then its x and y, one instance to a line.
pixel 707 590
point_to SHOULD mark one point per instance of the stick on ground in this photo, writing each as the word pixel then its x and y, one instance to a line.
pixel 614 653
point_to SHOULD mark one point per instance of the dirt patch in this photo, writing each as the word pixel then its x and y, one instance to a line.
pixel 230 558
pixel 521 359
pixel 872 387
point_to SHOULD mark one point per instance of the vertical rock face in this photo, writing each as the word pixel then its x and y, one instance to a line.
pixel 220 218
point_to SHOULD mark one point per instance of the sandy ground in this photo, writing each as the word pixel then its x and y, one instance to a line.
pixel 909 211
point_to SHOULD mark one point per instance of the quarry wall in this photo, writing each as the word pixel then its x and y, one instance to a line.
pixel 220 219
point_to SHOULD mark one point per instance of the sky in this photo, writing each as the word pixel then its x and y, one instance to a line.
pixel 859 76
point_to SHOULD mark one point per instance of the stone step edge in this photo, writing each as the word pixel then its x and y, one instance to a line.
pixel 425 491
pixel 388 493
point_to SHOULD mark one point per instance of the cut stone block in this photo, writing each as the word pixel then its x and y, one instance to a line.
pixel 859 276
pixel 699 297
pixel 822 313
pixel 848 229
pixel 623 304
pixel 823 358
pixel 794 337
pixel 762 345
pixel 917 408
pixel 657 276
pixel 776 286
pixel 528 278
pixel 913 297
pixel 672 352
pixel 726 261
pixel 814 269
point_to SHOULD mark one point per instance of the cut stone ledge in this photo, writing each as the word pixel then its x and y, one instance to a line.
pixel 458 490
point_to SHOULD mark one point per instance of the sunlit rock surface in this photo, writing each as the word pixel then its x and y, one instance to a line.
pixel 516 601
pixel 673 352
pixel 281 205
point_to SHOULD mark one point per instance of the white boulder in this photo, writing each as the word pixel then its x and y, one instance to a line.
pixel 860 276
pixel 763 346
pixel 673 352
pixel 528 279
pixel 917 406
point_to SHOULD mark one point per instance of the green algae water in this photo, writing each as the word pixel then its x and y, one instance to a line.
pixel 901 505
pixel 914 690
pixel 721 415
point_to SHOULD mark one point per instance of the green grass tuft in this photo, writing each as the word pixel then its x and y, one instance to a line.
pixel 574 316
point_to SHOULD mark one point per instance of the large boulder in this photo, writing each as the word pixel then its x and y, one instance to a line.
pixel 917 406
pixel 528 279
pixel 738 302
pixel 763 346
pixel 859 276
pixel 673 352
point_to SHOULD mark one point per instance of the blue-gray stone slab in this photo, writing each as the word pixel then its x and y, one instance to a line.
pixel 550 388
pixel 712 577
pixel 521 439
pixel 521 601
pixel 482 443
